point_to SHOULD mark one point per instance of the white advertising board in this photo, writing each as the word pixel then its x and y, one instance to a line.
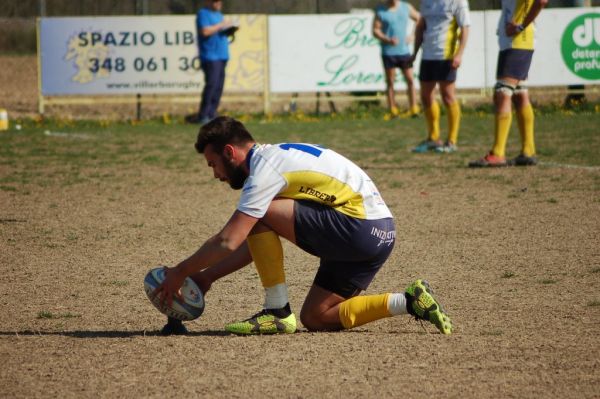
pixel 151 54
pixel 338 52
pixel 309 53
pixel 117 55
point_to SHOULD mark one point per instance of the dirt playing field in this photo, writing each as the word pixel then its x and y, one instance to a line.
pixel 513 254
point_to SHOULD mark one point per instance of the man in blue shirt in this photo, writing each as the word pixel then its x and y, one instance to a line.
pixel 213 43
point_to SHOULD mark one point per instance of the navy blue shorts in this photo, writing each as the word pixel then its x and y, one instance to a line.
pixel 514 63
pixel 397 61
pixel 351 250
pixel 437 71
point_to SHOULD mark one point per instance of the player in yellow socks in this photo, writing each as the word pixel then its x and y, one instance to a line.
pixel 442 33
pixel 316 199
pixel 516 39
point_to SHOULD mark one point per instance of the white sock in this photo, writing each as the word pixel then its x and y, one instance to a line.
pixel 397 304
pixel 276 296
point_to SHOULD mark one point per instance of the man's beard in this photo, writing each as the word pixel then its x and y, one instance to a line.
pixel 236 175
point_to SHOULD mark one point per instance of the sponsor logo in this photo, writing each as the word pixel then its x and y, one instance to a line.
pixel 317 194
pixel 580 46
pixel 385 237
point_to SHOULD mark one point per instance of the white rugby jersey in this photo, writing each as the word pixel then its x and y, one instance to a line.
pixel 515 11
pixel 309 172
pixel 443 20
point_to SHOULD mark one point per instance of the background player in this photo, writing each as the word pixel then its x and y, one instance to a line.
pixel 390 27
pixel 442 31
pixel 516 39
pixel 213 33
pixel 316 199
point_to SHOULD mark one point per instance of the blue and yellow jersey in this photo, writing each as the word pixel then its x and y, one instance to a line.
pixel 516 11
pixel 443 20
pixel 394 23
pixel 309 172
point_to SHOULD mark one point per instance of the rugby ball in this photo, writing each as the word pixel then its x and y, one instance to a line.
pixel 190 308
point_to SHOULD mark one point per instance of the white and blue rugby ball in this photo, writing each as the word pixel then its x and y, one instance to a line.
pixel 193 300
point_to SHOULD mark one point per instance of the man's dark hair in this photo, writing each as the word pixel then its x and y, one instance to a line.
pixel 221 131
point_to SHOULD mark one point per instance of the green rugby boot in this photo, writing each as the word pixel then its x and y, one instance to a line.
pixel 264 322
pixel 422 305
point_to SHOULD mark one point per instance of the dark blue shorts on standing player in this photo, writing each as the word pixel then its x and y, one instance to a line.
pixel 437 71
pixel 397 61
pixel 351 250
pixel 514 63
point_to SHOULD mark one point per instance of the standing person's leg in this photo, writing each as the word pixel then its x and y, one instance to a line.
pixel 220 84
pixel 411 91
pixel 503 118
pixel 390 78
pixel 448 92
pixel 503 107
pixel 210 69
pixel 503 93
pixel 432 117
pixel 525 119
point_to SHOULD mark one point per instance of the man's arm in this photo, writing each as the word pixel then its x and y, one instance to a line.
pixel 216 249
pixel 419 29
pixel 512 28
pixel 462 42
pixel 208 30
pixel 378 33
pixel 237 260
pixel 413 13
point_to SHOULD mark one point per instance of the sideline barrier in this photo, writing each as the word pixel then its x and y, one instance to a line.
pixel 124 59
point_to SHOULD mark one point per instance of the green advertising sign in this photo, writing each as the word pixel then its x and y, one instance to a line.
pixel 580 46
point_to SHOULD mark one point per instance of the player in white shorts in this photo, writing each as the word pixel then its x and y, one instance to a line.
pixel 316 199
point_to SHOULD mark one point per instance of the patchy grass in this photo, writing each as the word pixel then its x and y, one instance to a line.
pixel 508 274
pixel 44 314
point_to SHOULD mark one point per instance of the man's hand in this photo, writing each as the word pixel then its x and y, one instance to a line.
pixel 170 287
pixel 511 29
pixel 456 61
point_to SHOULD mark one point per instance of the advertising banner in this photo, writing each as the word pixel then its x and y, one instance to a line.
pixel 306 53
pixel 150 54
pixel 339 53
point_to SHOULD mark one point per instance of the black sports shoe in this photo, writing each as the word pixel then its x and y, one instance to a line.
pixel 173 327
pixel 523 160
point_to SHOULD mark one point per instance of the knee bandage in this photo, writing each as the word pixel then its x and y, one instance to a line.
pixel 504 88
pixel 521 88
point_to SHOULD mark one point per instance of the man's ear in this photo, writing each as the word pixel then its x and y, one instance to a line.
pixel 229 152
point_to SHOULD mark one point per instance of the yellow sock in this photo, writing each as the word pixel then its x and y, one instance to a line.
pixel 432 116
pixel 503 122
pixel 415 109
pixel 360 310
pixel 267 254
pixel 453 121
pixel 525 118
